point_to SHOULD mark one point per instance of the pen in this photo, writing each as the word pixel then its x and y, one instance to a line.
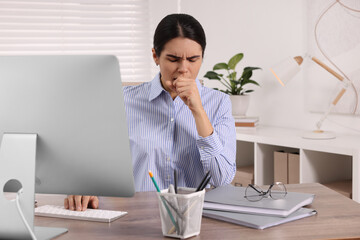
pixel 163 200
pixel 175 181
pixel 205 183
pixel 202 182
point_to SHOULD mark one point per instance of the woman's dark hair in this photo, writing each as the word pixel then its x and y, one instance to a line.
pixel 178 25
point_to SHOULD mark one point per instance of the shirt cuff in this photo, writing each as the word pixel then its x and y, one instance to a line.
pixel 209 147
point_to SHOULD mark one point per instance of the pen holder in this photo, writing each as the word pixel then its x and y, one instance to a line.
pixel 181 213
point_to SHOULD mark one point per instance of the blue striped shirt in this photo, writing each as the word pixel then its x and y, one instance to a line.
pixel 163 137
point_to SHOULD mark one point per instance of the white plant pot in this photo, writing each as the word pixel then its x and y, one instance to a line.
pixel 240 104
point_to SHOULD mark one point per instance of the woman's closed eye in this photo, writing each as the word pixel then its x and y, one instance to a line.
pixel 193 58
pixel 173 58
pixel 176 60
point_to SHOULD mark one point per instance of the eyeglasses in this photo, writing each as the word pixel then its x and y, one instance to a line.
pixel 276 190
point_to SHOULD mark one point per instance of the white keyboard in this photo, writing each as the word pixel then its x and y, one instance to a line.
pixel 97 215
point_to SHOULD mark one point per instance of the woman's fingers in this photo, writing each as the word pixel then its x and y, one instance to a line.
pixel 81 203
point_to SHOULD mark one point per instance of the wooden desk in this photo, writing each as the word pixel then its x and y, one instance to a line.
pixel 338 217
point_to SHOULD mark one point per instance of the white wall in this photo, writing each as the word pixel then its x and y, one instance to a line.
pixel 266 31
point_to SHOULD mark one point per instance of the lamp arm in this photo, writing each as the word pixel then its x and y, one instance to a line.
pixel 338 96
pixel 327 68
pixel 320 122
pixel 333 104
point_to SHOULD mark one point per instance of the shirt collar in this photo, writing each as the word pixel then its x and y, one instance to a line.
pixel 157 88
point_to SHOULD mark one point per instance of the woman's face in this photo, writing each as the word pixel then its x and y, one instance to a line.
pixel 179 57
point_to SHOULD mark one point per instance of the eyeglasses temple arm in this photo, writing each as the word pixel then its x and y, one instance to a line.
pixel 252 186
pixel 269 188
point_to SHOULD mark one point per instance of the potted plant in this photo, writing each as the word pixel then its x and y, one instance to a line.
pixel 234 84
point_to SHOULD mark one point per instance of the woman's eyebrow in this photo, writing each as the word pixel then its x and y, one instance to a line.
pixel 176 57
pixel 173 56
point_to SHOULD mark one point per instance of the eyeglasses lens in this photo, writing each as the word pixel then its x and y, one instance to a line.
pixel 253 193
pixel 278 191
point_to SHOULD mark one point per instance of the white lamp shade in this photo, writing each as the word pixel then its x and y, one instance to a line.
pixel 285 70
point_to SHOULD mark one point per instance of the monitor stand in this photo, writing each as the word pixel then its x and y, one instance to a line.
pixel 17 165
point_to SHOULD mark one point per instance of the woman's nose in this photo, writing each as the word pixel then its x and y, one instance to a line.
pixel 183 67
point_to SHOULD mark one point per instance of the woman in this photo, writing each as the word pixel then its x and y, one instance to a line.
pixel 174 122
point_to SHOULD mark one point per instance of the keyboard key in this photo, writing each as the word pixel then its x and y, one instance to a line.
pixel 97 215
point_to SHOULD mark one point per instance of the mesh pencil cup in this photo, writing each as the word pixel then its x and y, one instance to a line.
pixel 181 213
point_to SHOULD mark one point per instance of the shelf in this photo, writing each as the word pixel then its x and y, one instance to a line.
pixel 342 144
pixel 321 161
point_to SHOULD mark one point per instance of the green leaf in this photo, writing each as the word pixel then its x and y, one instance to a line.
pixel 251 82
pixel 221 66
pixel 247 73
pixel 248 91
pixel 250 68
pixel 232 76
pixel 212 75
pixel 235 60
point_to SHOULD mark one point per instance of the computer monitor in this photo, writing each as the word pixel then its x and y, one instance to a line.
pixel 74 107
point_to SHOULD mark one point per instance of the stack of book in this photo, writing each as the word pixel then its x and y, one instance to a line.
pixel 246 122
pixel 227 203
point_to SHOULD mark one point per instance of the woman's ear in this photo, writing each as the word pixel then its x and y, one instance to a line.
pixel 156 59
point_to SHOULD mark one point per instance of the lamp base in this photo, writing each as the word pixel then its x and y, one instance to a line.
pixel 319 135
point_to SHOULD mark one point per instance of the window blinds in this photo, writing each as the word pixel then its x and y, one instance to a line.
pixel 117 27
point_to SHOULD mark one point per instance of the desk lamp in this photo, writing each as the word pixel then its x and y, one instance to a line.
pixel 288 68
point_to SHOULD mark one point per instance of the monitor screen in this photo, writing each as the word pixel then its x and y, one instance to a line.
pixel 75 106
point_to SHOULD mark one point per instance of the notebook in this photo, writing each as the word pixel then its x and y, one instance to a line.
pixel 258 221
pixel 231 199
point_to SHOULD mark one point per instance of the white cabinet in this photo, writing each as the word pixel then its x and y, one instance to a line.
pixel 321 161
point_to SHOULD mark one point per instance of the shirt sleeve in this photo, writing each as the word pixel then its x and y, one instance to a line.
pixel 218 151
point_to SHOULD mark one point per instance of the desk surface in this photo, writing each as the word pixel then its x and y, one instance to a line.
pixel 338 217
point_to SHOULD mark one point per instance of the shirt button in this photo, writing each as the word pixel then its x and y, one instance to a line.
pixel 171 119
pixel 168 177
pixel 202 148
pixel 168 158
